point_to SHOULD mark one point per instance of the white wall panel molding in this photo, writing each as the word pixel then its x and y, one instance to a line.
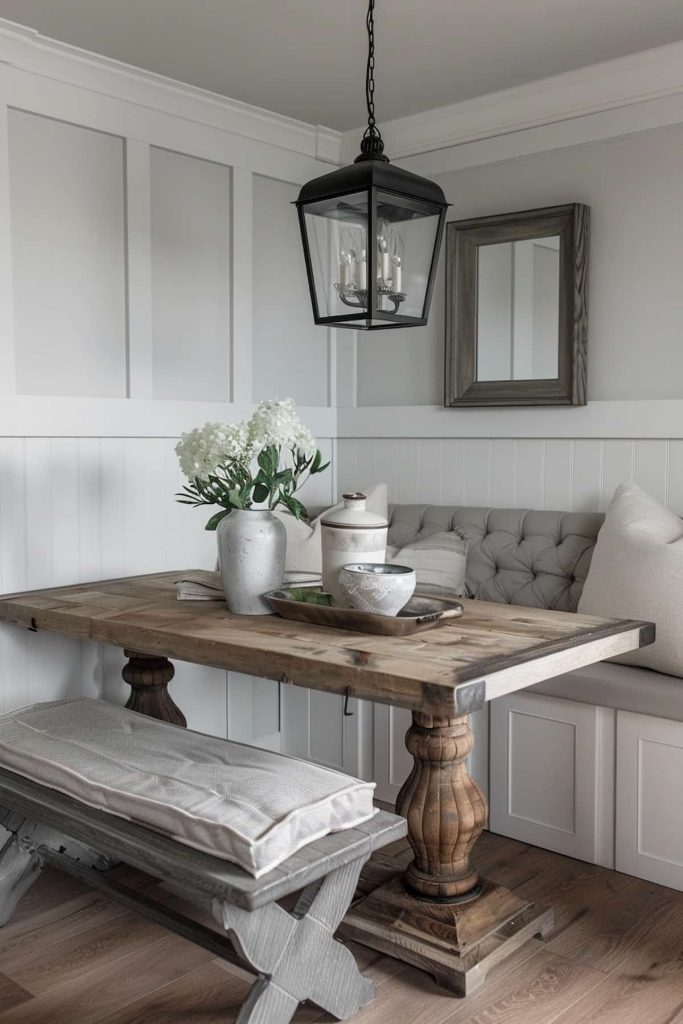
pixel 191 293
pixel 139 269
pixel 290 354
pixel 38 416
pixel 7 361
pixel 652 418
pixel 67 192
pixel 25 48
pixel 646 80
pixel 242 371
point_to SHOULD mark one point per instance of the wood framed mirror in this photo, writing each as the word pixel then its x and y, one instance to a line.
pixel 516 314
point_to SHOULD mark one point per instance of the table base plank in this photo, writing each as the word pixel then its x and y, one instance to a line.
pixel 457 944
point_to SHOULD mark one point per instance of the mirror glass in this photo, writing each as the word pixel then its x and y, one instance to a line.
pixel 518 306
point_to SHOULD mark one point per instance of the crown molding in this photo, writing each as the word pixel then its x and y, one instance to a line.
pixel 26 49
pixel 625 82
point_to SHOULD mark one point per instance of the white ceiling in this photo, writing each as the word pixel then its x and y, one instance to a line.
pixel 306 58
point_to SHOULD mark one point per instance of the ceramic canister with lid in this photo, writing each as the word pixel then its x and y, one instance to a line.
pixel 350 533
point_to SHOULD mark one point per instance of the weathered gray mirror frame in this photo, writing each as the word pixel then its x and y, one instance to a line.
pixel 571 223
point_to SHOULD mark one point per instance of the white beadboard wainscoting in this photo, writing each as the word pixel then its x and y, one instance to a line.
pixel 577 474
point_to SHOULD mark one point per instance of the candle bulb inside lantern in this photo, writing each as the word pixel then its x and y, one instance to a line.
pixel 396 281
pixel 353 267
pixel 384 264
pixel 344 270
pixel 363 271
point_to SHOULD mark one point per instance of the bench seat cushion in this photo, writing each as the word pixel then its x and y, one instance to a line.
pixel 624 687
pixel 249 806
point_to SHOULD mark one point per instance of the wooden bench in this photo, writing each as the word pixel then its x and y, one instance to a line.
pixel 294 953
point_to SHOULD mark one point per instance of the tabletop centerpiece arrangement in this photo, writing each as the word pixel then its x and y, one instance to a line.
pixel 249 469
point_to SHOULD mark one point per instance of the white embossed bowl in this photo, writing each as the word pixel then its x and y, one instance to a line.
pixel 377 587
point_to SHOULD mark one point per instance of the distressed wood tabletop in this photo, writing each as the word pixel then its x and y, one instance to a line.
pixel 492 650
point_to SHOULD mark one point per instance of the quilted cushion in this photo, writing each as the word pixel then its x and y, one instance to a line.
pixel 515 556
pixel 249 806
pixel 625 687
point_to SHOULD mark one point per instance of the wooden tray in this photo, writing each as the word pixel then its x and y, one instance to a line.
pixel 312 604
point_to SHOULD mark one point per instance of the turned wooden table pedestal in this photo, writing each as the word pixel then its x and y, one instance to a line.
pixel 438 913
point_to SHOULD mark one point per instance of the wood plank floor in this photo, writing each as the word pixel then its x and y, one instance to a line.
pixel 615 957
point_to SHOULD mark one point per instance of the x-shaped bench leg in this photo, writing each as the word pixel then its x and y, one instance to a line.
pixel 20 860
pixel 296 954
pixel 20 866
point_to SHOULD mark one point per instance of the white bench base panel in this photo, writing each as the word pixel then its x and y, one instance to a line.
pixel 599 783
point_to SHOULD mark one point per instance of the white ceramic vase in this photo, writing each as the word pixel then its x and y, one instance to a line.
pixel 350 534
pixel 251 558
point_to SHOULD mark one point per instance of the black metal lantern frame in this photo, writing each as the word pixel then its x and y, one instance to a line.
pixel 378 281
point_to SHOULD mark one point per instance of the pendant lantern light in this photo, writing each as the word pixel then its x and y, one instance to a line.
pixel 371 234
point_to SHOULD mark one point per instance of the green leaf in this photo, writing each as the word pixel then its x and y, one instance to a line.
pixel 308 595
pixel 268 460
pixel 320 469
pixel 285 476
pixel 261 493
pixel 293 505
pixel 215 519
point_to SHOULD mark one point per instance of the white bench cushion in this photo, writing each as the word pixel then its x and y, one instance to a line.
pixel 246 805
pixel 624 687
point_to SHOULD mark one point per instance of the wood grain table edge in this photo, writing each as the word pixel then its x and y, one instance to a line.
pixel 297 654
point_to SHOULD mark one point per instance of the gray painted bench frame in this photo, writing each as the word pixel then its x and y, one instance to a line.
pixel 294 954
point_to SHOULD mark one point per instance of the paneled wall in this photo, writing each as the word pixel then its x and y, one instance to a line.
pixel 67 202
pixel 150 280
pixel 559 473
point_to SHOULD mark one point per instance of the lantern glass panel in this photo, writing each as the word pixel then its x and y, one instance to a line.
pixel 336 232
pixel 407 231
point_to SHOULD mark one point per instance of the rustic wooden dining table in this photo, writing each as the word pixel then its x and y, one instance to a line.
pixel 438 914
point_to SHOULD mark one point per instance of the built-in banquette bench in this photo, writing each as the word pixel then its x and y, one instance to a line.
pixel 589 763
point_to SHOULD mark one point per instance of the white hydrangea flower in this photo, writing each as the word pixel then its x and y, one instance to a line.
pixel 205 448
pixel 275 422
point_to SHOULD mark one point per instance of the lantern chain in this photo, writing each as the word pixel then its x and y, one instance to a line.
pixel 372 146
pixel 370 69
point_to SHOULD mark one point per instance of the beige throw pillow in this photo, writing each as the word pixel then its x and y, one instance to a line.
pixel 439 561
pixel 637 573
pixel 304 542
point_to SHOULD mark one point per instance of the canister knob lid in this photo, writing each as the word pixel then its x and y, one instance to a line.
pixel 353 514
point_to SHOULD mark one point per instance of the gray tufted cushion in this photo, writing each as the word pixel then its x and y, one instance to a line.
pixel 515 556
